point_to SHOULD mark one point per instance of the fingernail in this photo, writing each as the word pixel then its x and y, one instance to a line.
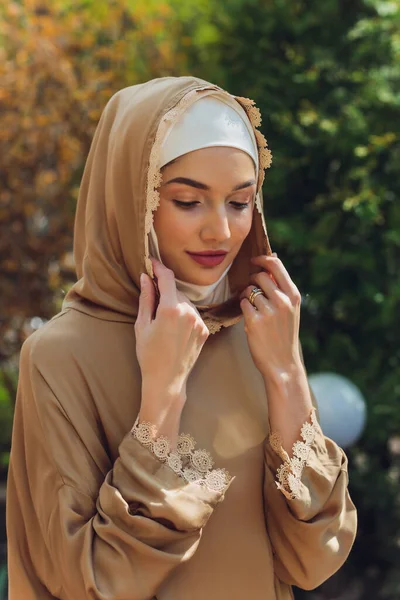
pixel 142 280
pixel 275 254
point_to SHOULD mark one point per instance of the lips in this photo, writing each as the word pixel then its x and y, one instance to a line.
pixel 208 258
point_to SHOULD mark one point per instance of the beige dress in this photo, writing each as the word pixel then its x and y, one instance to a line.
pixel 97 508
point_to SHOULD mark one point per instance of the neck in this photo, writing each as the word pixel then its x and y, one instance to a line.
pixel 206 294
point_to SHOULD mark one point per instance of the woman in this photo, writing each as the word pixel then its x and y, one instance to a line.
pixel 182 320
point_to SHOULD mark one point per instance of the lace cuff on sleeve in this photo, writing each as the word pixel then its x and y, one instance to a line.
pixel 290 472
pixel 194 466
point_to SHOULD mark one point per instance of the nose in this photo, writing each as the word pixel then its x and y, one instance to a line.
pixel 216 228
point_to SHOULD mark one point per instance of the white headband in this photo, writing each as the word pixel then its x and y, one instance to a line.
pixel 210 121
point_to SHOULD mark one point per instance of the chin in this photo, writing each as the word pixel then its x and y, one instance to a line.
pixel 206 280
pixel 201 278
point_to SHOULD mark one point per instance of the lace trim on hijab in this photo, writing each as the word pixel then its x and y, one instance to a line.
pixel 154 177
pixel 194 466
pixel 264 153
pixel 290 472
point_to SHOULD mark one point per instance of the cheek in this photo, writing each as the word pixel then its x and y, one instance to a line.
pixel 240 227
pixel 172 226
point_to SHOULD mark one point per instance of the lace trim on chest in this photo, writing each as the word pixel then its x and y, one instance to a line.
pixel 290 472
pixel 194 466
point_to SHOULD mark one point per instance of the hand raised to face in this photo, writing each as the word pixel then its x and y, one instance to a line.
pixel 170 335
pixel 272 321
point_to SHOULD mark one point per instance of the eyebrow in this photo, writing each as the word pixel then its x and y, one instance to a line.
pixel 202 186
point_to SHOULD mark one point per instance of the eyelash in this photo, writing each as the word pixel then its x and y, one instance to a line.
pixel 188 205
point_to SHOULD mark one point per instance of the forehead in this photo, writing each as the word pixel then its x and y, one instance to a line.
pixel 213 166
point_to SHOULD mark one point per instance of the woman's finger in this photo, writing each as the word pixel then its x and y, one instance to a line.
pixel 264 282
pixel 183 298
pixel 271 291
pixel 166 284
pixel 261 302
pixel 248 310
pixel 275 266
pixel 147 300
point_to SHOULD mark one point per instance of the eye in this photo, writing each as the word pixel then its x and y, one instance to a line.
pixel 185 205
pixel 240 205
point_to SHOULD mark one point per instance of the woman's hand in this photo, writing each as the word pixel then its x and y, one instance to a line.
pixel 169 339
pixel 272 327
pixel 273 335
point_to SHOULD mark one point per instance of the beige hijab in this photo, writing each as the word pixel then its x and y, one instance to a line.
pixel 118 196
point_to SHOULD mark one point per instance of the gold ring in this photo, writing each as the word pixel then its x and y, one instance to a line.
pixel 253 294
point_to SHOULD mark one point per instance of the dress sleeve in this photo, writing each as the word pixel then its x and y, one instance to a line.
pixel 310 516
pixel 84 532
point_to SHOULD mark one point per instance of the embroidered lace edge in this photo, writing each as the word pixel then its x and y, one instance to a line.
pixel 290 472
pixel 191 464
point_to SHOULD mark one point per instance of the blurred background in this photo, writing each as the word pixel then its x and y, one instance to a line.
pixel 326 76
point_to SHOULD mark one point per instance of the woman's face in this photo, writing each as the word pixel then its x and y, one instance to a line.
pixel 206 205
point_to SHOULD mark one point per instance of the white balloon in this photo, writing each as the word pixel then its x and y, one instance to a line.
pixel 342 408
